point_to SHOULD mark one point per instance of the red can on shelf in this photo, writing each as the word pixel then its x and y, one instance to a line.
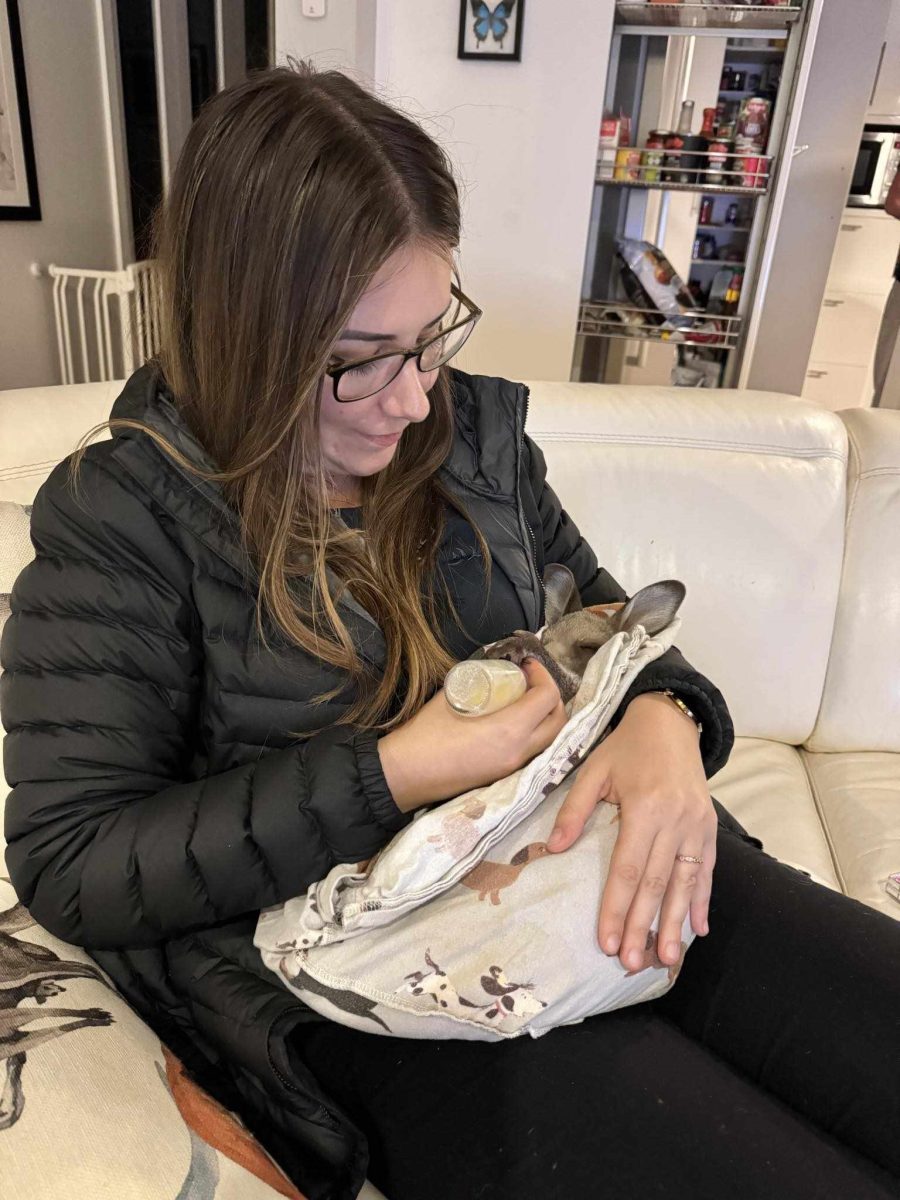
pixel 752 169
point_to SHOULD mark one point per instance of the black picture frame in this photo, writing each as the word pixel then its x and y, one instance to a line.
pixel 467 19
pixel 18 134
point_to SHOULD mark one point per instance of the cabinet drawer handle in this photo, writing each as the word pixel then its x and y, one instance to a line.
pixel 850 228
pixel 832 303
pixel 816 374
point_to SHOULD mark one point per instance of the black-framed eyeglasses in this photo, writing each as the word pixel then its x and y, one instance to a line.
pixel 363 378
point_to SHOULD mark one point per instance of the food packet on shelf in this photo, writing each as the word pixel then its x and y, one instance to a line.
pixel 651 280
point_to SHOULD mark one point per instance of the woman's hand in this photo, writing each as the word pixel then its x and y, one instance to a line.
pixel 439 753
pixel 650 766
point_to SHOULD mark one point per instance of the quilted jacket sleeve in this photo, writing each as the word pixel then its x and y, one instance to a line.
pixel 562 543
pixel 111 843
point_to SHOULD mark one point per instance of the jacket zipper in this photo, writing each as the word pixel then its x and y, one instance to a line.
pixel 321 1110
pixel 533 557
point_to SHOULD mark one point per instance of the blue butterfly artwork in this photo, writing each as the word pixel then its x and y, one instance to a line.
pixel 491 21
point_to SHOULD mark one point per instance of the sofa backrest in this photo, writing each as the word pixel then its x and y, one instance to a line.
pixel 861 702
pixel 41 426
pixel 741 495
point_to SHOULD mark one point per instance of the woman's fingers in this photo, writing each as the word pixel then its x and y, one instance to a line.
pixel 657 880
pixel 684 884
pixel 542 697
pixel 626 871
pixel 590 787
pixel 700 898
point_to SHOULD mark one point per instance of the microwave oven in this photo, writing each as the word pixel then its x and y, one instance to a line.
pixel 877 161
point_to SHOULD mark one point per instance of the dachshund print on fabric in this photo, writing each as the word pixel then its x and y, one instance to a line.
pixel 488 878
pixel 358 1006
pixel 459 833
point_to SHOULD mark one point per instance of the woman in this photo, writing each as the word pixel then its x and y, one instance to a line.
pixel 241 617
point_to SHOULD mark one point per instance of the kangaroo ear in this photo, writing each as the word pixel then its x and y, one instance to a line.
pixel 561 591
pixel 653 606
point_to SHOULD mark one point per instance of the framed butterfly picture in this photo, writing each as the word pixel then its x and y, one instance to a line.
pixel 491 29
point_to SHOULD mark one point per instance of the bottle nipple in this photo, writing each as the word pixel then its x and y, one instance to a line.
pixel 480 686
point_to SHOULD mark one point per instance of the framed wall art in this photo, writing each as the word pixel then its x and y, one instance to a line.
pixel 491 30
pixel 18 178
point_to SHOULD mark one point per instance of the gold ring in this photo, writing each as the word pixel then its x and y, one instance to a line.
pixel 688 858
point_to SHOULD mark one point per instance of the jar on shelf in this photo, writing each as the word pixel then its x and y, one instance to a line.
pixel 719 153
pixel 652 158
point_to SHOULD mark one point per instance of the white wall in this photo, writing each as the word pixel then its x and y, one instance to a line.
pixel 523 138
pixel 330 41
pixel 62 64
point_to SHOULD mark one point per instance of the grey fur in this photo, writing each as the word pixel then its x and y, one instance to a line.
pixel 572 634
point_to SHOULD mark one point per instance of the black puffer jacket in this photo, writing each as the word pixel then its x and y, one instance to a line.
pixel 158 802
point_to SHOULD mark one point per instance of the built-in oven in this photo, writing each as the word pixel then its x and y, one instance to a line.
pixel 876 165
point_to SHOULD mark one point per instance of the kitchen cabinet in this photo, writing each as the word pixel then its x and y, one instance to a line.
pixel 884 102
pixel 837 386
pixel 839 374
pixel 847 328
pixel 865 252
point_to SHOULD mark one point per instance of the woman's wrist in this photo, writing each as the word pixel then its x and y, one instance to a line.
pixel 664 699
pixel 407 796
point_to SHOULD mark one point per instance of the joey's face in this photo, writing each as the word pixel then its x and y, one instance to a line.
pixel 574 639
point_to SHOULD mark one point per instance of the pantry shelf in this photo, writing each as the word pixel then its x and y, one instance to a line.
pixel 618 319
pixel 688 170
pixel 702 189
pixel 724 17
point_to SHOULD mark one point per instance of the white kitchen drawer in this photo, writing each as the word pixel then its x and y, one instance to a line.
pixel 865 252
pixel 837 385
pixel 848 328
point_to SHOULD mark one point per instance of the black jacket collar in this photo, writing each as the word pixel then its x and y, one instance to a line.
pixel 489 413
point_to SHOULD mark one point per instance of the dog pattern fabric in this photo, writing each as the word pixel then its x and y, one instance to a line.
pixel 465 925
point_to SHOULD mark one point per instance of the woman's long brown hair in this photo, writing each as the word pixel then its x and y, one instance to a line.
pixel 293 188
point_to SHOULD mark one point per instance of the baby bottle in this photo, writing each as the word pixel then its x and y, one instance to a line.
pixel 480 686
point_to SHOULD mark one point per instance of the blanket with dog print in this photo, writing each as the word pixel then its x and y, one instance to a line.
pixel 464 925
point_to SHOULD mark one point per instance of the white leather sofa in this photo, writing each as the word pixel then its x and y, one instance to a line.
pixel 783 520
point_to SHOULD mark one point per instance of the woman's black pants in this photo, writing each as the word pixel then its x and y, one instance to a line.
pixel 770 1070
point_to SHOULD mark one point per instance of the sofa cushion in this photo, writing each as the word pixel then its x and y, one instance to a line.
pixel 858 799
pixel 91 1103
pixel 16 550
pixel 765 785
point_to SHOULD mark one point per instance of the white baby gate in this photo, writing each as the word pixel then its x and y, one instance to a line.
pixel 116 323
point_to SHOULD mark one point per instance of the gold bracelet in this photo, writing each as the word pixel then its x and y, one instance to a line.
pixel 684 708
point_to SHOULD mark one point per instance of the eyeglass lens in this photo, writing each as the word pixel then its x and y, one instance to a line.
pixel 368 378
